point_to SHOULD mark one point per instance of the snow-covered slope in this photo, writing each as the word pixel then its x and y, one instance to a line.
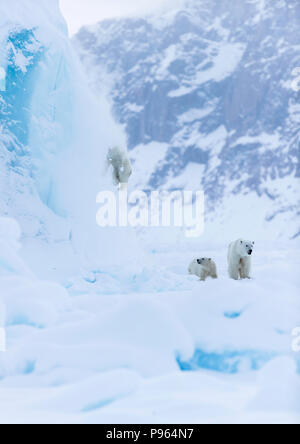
pixel 206 91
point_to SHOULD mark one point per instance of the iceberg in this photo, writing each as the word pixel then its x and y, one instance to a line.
pixel 54 135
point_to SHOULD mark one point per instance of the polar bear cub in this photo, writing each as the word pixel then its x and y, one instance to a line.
pixel 203 268
pixel 239 259
pixel 121 165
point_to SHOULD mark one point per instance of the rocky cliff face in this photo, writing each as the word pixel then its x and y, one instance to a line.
pixel 205 93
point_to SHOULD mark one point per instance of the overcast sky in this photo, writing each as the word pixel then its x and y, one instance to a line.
pixel 81 12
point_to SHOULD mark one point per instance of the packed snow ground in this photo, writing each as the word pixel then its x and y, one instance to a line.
pixel 78 353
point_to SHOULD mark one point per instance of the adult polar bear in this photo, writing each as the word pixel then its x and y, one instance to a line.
pixel 119 160
pixel 239 259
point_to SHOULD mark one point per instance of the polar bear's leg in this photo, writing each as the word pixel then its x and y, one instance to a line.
pixel 204 275
pixel 241 269
pixel 246 268
pixel 214 273
pixel 233 269
pixel 229 255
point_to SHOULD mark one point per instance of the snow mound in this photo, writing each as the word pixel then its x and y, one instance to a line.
pixel 27 300
pixel 279 387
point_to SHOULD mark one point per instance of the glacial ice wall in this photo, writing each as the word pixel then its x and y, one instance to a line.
pixel 53 135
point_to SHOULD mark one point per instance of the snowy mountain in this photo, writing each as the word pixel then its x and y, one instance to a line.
pixel 205 93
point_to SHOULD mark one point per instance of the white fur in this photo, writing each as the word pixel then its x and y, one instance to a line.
pixel 206 268
pixel 239 259
pixel 121 165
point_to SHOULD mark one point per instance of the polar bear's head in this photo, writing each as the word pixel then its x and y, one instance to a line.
pixel 245 248
pixel 204 261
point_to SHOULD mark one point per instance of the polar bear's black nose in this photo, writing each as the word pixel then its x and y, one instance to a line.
pixel 250 252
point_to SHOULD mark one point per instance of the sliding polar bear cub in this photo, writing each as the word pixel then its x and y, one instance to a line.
pixel 239 259
pixel 121 165
pixel 203 268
